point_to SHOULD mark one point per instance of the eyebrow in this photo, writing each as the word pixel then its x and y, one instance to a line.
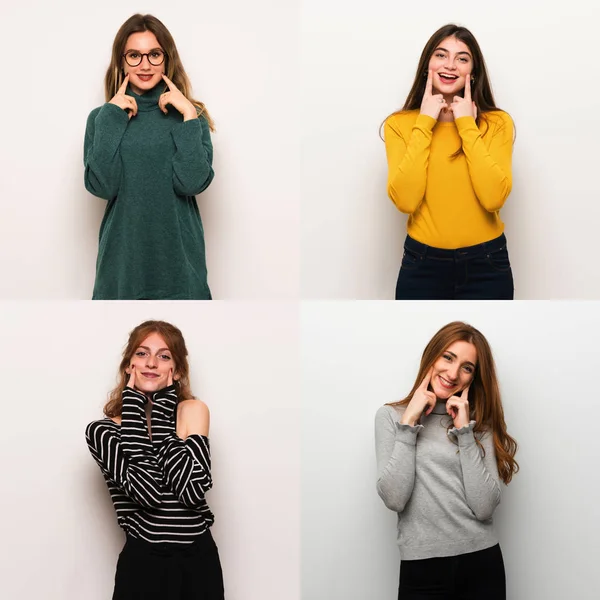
pixel 467 362
pixel 159 350
pixel 461 52
pixel 136 50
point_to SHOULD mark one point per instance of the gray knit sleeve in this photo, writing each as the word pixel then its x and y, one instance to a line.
pixel 480 473
pixel 395 448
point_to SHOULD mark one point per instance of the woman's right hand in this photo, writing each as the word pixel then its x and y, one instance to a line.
pixel 422 398
pixel 431 104
pixel 131 381
pixel 127 103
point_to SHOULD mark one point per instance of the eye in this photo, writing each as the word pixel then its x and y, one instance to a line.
pixel 165 357
pixel 156 53
pixel 133 54
pixel 469 369
pixel 140 353
pixel 464 59
pixel 440 55
pixel 448 357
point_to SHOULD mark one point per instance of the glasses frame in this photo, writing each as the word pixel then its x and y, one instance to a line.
pixel 147 55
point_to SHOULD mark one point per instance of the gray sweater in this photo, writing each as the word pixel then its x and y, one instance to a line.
pixel 444 494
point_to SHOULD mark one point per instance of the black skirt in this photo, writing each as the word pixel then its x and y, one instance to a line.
pixel 169 571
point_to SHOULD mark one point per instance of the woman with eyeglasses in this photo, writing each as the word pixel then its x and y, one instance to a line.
pixel 148 152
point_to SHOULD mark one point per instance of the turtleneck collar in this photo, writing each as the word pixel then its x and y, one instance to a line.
pixel 149 100
pixel 439 408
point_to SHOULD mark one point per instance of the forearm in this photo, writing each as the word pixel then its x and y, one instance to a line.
pixel 102 160
pixel 192 161
pixel 489 167
pixel 480 476
pixel 408 163
pixel 395 447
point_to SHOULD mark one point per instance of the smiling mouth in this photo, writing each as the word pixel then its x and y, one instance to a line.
pixel 445 383
pixel 150 375
pixel 448 78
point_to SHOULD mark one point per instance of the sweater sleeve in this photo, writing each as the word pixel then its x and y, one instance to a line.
pixel 395 447
pixel 185 463
pixel 480 474
pixel 408 160
pixel 192 161
pixel 127 459
pixel 489 160
pixel 101 158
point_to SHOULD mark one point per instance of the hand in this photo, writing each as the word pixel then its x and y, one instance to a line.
pixel 131 381
pixel 170 378
pixel 422 398
pixel 127 103
pixel 431 104
pixel 458 408
pixel 464 107
pixel 178 100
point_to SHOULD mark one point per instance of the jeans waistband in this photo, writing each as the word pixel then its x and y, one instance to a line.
pixel 465 253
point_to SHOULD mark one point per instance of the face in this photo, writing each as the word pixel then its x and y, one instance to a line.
pixel 453 371
pixel 153 360
pixel 451 64
pixel 145 76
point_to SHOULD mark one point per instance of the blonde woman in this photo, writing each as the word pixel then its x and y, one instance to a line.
pixel 148 152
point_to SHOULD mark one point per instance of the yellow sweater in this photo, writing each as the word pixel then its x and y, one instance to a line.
pixel 452 202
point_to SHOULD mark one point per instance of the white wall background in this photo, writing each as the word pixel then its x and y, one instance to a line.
pixel 358 356
pixel 60 538
pixel 358 61
pixel 242 62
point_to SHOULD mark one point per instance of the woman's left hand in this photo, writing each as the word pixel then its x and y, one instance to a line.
pixel 464 107
pixel 458 408
pixel 176 99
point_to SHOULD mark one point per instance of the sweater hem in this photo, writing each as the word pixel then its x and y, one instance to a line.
pixel 439 550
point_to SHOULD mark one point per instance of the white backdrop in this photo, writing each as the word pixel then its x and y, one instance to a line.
pixel 358 356
pixel 358 62
pixel 60 538
pixel 242 61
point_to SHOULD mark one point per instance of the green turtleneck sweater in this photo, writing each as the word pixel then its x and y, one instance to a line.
pixel 149 168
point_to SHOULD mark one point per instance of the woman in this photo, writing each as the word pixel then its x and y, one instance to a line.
pixel 148 152
pixel 441 454
pixel 153 451
pixel 449 153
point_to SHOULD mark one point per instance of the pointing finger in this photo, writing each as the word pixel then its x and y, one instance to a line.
pixel 124 85
pixel 170 380
pixel 429 84
pixel 131 380
pixel 426 380
pixel 170 84
pixel 468 88
pixel 465 394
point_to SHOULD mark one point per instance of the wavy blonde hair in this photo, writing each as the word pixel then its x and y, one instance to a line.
pixel 176 344
pixel 485 405
pixel 173 66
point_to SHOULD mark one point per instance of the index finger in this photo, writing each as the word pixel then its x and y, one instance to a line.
pixel 124 85
pixel 465 393
pixel 426 380
pixel 170 84
pixel 429 84
pixel 468 87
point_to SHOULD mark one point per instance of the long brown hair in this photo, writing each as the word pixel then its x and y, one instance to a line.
pixel 481 89
pixel 173 66
pixel 485 405
pixel 176 344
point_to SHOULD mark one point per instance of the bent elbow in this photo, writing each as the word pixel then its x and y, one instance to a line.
pixel 193 187
pixel 405 205
pixel 392 500
pixel 494 201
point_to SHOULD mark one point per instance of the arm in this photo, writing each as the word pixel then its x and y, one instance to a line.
pixel 186 463
pixel 408 162
pixel 101 158
pixel 480 474
pixel 192 162
pixel 489 161
pixel 127 460
pixel 395 446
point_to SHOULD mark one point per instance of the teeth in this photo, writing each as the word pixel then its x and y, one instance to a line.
pixel 449 76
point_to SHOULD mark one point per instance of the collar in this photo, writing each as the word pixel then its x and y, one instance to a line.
pixel 439 408
pixel 149 100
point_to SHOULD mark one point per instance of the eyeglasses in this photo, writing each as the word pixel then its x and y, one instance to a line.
pixel 134 58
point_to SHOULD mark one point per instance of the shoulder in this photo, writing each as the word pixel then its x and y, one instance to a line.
pixel 401 120
pixel 93 114
pixel 193 414
pixel 498 119
pixel 387 413
pixel 101 426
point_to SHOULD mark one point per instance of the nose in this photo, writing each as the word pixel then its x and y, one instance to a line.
pixel 146 60
pixel 453 372
pixel 151 361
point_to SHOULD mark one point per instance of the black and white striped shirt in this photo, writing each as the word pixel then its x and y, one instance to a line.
pixel 157 485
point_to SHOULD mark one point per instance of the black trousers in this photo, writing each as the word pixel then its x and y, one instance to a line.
pixel 480 272
pixel 169 571
pixel 473 576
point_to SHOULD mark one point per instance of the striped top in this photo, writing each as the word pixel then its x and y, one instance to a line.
pixel 157 485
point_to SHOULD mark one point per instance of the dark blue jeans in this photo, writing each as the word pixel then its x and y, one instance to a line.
pixel 480 272
pixel 473 576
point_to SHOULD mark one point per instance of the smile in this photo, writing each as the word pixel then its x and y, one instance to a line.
pixel 445 78
pixel 151 375
pixel 445 383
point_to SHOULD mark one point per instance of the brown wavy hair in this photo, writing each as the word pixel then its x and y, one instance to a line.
pixel 485 405
pixel 481 89
pixel 176 344
pixel 173 66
